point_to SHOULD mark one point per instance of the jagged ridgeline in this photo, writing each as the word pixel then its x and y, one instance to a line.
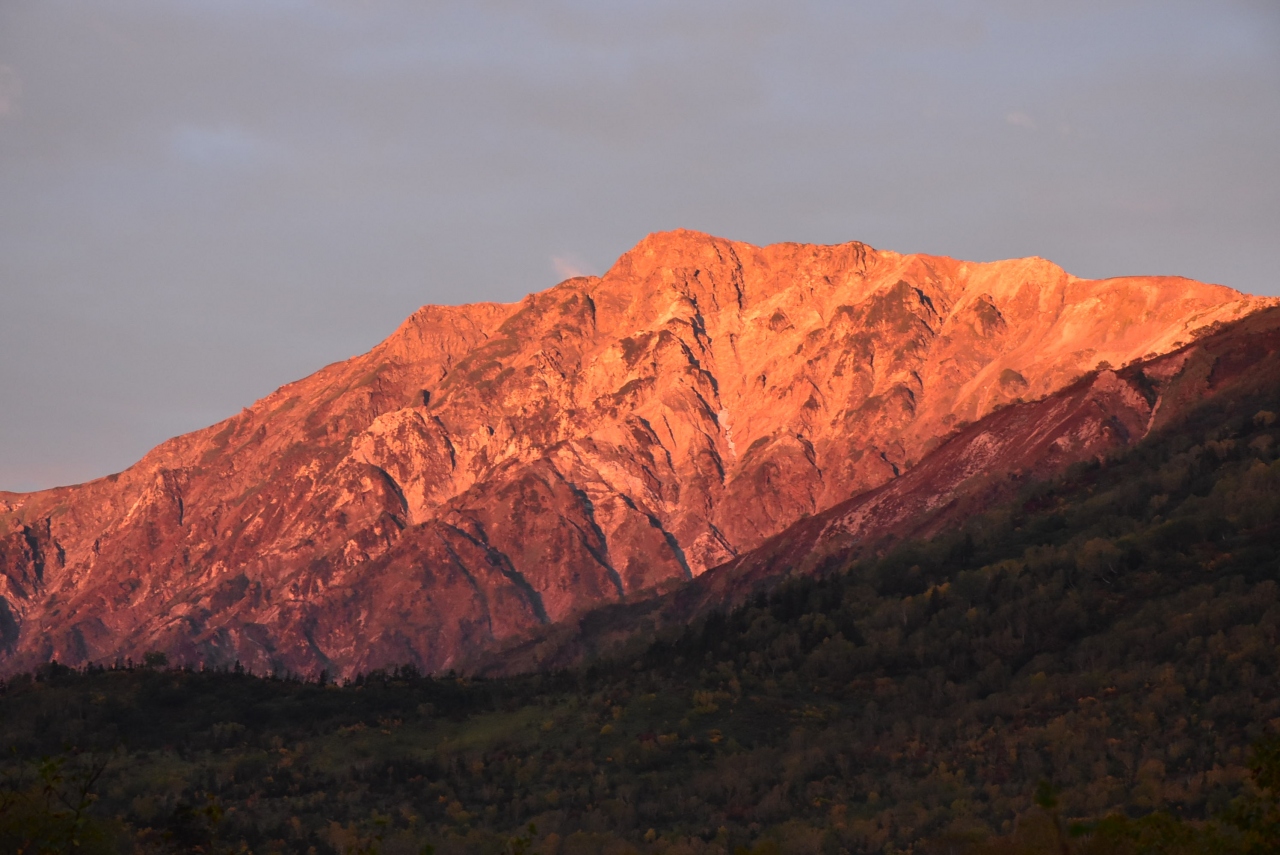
pixel 1089 665
pixel 490 470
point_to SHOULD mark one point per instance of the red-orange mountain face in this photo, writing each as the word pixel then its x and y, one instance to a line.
pixel 977 468
pixel 492 468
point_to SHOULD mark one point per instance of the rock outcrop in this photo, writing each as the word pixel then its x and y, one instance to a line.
pixel 492 468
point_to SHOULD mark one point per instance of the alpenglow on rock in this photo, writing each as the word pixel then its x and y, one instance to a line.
pixel 491 468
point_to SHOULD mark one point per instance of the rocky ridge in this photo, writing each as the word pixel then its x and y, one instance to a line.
pixel 489 469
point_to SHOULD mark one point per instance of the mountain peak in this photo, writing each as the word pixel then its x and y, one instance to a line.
pixel 493 467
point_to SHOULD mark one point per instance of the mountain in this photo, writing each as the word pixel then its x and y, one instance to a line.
pixel 1089 667
pixel 974 470
pixel 491 469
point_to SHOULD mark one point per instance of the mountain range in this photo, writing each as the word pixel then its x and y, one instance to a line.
pixel 704 419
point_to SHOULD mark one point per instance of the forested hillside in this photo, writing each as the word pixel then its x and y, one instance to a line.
pixel 1105 646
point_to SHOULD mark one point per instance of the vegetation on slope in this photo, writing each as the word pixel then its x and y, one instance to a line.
pixel 1084 670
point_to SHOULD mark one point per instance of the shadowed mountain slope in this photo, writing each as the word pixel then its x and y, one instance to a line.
pixel 489 469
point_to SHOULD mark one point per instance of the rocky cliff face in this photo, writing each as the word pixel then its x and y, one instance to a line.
pixel 492 468
pixel 975 469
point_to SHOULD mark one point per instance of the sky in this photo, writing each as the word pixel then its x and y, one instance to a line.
pixel 201 200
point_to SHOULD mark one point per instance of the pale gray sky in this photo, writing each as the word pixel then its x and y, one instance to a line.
pixel 201 200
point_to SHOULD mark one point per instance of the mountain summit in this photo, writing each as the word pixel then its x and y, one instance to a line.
pixel 492 468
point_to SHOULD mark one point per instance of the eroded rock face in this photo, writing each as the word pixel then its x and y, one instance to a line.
pixel 979 467
pixel 491 468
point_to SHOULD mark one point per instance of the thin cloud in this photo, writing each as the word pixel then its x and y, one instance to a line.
pixel 1020 120
pixel 569 266
pixel 214 146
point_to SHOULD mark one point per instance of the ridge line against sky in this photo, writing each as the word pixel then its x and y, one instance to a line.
pixel 200 202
